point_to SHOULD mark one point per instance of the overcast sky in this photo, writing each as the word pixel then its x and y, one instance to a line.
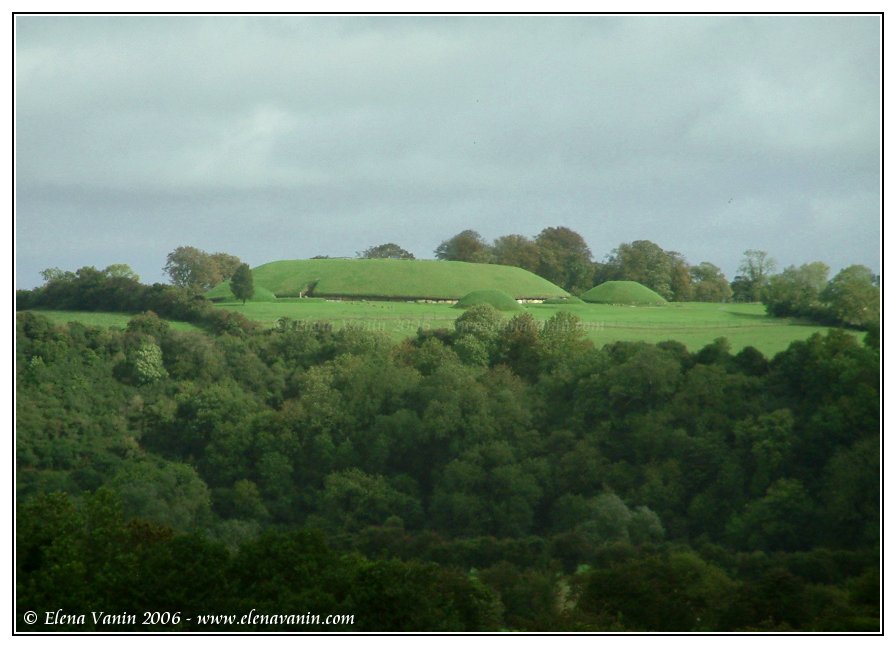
pixel 287 137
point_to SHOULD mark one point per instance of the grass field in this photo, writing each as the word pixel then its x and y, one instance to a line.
pixel 694 324
pixel 417 279
pixel 104 320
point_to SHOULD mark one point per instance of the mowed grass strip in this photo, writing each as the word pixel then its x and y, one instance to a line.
pixel 392 278
pixel 693 324
pixel 103 319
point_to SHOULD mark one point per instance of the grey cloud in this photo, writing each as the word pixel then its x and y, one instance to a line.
pixel 344 132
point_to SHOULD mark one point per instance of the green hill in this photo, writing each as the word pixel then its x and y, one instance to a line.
pixel 623 292
pixel 391 279
pixel 497 298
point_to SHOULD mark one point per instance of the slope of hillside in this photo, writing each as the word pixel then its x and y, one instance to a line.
pixel 392 279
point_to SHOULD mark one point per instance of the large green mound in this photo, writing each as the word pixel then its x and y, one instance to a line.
pixel 392 279
pixel 623 292
pixel 497 298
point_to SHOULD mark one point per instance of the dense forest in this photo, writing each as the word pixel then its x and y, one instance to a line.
pixel 500 475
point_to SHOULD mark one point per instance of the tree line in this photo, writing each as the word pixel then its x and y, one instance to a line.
pixel 560 255
pixel 851 298
pixel 504 470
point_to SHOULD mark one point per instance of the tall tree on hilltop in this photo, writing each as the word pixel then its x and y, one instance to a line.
pixel 386 251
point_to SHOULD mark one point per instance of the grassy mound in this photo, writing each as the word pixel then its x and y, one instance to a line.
pixel 224 294
pixel 623 292
pixel 564 300
pixel 497 298
pixel 393 279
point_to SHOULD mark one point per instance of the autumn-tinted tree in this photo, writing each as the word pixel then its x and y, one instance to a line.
pixel 190 267
pixel 226 264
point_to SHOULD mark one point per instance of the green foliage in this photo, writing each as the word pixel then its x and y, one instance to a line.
pixel 170 494
pixel 797 291
pixel 853 297
pixel 386 251
pixel 146 364
pixel 467 246
pixel 564 258
pixel 709 283
pixel 517 250
pixel 645 262
pixel 755 271
pixel 242 284
pixel 509 474
pixel 352 500
pixel 191 268
pixel 674 592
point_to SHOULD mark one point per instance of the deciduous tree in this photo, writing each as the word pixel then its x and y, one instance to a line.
pixel 564 258
pixel 386 251
pixel 242 285
pixel 467 246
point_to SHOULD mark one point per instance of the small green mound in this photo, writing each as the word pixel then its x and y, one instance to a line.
pixel 497 298
pixel 224 294
pixel 630 293
pixel 564 300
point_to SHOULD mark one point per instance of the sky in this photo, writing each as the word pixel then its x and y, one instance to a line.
pixel 286 137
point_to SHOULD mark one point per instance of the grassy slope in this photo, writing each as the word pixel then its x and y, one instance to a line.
pixel 418 279
pixel 622 292
pixel 694 324
pixel 497 298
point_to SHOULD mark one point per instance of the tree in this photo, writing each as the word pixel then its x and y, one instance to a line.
pixel 796 291
pixel 192 268
pixel 664 272
pixel 242 285
pixel 754 269
pixel 852 296
pixel 467 246
pixel 709 283
pixel 227 264
pixel 564 258
pixel 516 250
pixel 122 270
pixel 386 251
